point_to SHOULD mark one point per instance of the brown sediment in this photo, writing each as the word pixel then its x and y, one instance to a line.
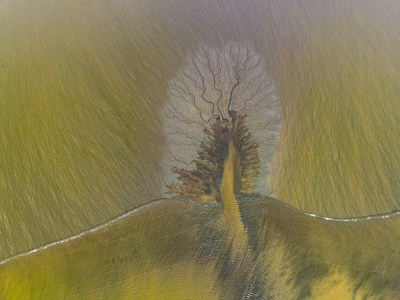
pixel 230 207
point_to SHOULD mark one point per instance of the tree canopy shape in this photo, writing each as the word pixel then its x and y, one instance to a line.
pixel 220 95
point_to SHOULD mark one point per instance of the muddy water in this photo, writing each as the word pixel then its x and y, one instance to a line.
pixel 81 84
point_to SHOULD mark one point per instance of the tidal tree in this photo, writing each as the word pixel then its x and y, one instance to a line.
pixel 220 95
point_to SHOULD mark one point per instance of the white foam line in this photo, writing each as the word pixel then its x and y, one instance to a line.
pixel 78 235
pixel 385 216
pixel 375 217
pixel 357 219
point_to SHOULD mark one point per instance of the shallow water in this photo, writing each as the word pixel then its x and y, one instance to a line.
pixel 81 84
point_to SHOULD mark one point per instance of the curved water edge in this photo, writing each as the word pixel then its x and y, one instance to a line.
pixel 387 216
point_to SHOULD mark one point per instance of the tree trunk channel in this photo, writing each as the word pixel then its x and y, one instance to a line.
pixel 229 204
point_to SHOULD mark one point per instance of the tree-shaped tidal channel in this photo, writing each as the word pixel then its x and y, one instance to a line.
pixel 221 96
